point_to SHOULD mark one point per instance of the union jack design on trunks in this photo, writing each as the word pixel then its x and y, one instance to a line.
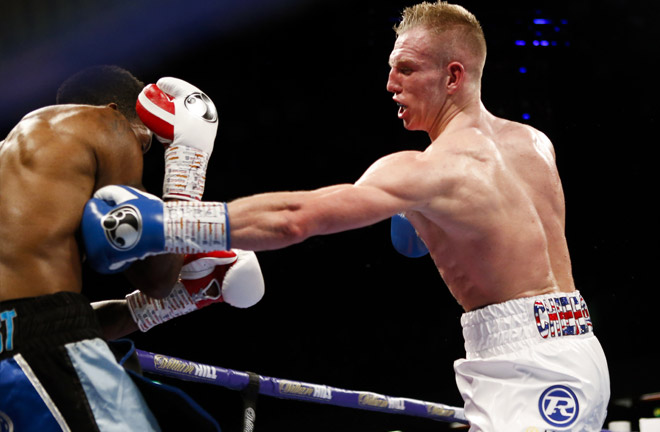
pixel 562 316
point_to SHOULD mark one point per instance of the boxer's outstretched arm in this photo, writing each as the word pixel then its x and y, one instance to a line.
pixel 260 222
pixel 391 185
pixel 276 220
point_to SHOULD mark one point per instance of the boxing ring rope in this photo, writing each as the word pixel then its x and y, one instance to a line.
pixel 251 384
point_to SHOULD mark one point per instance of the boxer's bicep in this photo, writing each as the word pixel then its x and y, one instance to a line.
pixel 399 182
pixel 350 207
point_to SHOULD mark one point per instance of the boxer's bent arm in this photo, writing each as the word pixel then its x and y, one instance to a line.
pixel 120 161
pixel 155 275
pixel 115 318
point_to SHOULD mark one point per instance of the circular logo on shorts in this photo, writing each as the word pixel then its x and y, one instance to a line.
pixel 6 424
pixel 123 227
pixel 200 105
pixel 559 406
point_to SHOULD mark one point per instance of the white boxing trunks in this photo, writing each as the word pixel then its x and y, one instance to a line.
pixel 533 365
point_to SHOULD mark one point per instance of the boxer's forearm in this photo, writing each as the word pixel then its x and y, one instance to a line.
pixel 115 318
pixel 272 220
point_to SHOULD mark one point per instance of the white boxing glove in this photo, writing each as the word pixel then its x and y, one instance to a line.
pixel 233 277
pixel 185 120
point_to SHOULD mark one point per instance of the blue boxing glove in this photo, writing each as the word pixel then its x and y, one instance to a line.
pixel 120 225
pixel 405 239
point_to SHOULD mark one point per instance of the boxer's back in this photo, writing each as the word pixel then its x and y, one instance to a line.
pixel 50 165
pixel 499 233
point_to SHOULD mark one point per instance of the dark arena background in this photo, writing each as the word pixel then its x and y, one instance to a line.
pixel 300 90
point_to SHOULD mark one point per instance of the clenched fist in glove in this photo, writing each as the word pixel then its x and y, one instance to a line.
pixel 233 277
pixel 185 120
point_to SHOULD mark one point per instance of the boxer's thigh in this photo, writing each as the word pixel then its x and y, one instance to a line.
pixel 113 397
pixel 562 385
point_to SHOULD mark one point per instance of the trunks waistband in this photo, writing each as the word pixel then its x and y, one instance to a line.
pixel 45 322
pixel 508 326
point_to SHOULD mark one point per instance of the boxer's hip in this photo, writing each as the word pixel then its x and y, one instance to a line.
pixel 45 322
pixel 515 324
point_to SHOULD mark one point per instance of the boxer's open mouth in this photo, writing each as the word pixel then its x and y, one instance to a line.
pixel 402 109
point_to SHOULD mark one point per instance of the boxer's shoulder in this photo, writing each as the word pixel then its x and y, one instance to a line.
pixel 71 125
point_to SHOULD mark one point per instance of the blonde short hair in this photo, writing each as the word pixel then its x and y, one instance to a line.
pixel 441 18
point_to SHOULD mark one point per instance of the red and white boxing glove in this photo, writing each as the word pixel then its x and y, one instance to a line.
pixel 233 277
pixel 185 120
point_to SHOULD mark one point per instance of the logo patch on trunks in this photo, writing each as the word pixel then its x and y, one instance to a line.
pixel 6 424
pixel 562 316
pixel 559 406
pixel 7 321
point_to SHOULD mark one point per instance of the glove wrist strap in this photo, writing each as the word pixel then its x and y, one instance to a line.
pixel 185 172
pixel 195 226
pixel 148 312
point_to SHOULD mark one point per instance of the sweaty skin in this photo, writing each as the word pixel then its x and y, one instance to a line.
pixel 50 165
pixel 485 196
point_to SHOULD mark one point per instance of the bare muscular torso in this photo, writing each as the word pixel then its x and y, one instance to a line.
pixel 494 220
pixel 50 165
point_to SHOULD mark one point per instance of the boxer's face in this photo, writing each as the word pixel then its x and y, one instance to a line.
pixel 416 78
